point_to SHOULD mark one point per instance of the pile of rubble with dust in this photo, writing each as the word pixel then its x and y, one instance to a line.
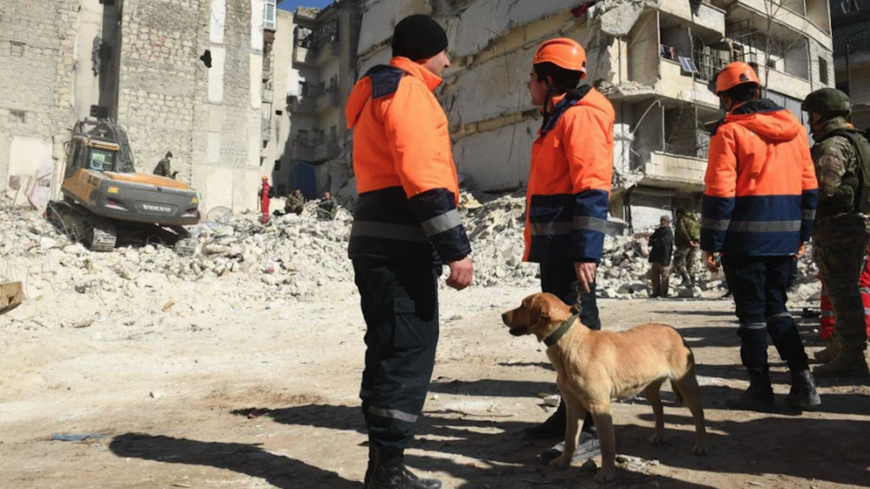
pixel 240 263
pixel 496 232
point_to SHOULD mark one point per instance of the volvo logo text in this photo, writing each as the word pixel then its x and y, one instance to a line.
pixel 156 208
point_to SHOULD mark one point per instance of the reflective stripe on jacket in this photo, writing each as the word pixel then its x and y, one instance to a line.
pixel 761 191
pixel 403 163
pixel 569 180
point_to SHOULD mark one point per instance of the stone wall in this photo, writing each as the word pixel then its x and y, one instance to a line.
pixel 37 71
pixel 209 117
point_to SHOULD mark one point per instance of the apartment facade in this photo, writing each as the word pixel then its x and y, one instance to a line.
pixel 850 20
pixel 323 70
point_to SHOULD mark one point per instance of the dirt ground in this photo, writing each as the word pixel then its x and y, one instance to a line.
pixel 266 397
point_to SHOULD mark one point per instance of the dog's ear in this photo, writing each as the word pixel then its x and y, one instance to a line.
pixel 575 309
pixel 539 311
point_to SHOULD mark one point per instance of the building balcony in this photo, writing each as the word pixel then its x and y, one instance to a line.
pixel 314 104
pixel 327 100
pixel 304 56
pixel 327 151
pixel 314 56
pixel 709 17
pixel 679 85
pixel 314 151
pixel 302 105
pixel 783 83
pixel 674 171
pixel 782 19
pixel 327 52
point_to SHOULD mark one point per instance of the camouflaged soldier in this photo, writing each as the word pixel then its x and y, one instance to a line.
pixel 840 238
pixel 687 237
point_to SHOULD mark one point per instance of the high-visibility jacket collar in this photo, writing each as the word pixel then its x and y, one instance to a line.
pixel 417 71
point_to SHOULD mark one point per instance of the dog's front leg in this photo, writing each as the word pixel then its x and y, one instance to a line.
pixel 575 414
pixel 604 422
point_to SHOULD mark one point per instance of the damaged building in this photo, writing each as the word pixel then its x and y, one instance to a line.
pixel 653 59
pixel 188 76
pixel 850 20
pixel 323 71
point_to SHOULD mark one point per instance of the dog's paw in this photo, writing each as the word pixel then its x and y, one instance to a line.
pixel 699 449
pixel 605 475
pixel 656 439
pixel 561 462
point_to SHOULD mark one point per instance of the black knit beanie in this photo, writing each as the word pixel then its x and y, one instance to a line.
pixel 418 37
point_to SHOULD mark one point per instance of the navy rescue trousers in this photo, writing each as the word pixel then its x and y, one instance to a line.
pixel 400 307
pixel 759 284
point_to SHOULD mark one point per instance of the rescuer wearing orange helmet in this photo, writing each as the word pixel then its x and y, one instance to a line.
pixel 405 227
pixel 568 198
pixel 758 210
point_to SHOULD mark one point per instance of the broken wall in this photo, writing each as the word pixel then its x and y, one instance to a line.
pixel 209 117
pixel 49 77
pixel 491 44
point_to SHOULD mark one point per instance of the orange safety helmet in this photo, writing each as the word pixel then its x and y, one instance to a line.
pixel 564 53
pixel 734 74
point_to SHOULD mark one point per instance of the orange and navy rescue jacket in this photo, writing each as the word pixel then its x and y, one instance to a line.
pixel 569 180
pixel 761 190
pixel 405 174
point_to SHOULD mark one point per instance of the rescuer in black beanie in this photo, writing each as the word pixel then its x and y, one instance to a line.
pixel 418 37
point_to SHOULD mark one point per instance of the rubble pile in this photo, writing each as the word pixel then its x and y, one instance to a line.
pixel 240 262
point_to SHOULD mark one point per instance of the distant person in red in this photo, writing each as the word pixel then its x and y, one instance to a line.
pixel 265 194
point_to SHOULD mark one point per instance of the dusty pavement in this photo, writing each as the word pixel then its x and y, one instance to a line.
pixel 265 396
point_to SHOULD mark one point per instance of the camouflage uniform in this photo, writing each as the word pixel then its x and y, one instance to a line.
pixel 686 255
pixel 840 241
pixel 327 209
pixel 295 203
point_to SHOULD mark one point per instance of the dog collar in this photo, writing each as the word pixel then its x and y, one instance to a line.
pixel 560 331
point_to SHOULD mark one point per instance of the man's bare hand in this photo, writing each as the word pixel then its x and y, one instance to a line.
pixel 710 262
pixel 461 273
pixel 693 244
pixel 585 275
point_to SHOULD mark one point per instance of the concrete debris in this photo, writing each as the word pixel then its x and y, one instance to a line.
pixel 240 263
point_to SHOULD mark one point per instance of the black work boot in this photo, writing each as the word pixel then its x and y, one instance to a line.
pixel 553 427
pixel 803 395
pixel 687 280
pixel 389 472
pixel 759 396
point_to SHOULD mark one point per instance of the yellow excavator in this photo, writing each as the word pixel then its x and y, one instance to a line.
pixel 106 202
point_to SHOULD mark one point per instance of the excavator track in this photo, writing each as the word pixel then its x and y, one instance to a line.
pixel 186 244
pixel 96 233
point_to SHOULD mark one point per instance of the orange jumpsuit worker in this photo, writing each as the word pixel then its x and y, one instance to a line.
pixel 405 227
pixel 568 198
pixel 265 194
pixel 758 210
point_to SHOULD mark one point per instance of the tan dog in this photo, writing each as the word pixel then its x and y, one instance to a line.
pixel 594 367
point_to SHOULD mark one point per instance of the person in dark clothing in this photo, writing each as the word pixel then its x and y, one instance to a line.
pixel 406 227
pixel 164 167
pixel 662 242
pixel 327 208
